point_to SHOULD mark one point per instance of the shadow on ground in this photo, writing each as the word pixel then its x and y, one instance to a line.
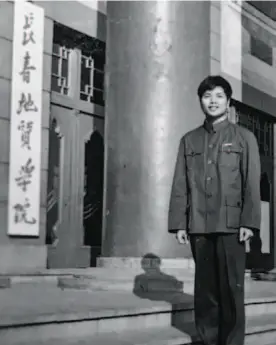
pixel 156 285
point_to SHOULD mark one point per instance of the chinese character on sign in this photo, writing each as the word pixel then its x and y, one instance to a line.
pixel 28 36
pixel 21 213
pixel 25 175
pixel 28 21
pixel 26 103
pixel 26 129
pixel 27 68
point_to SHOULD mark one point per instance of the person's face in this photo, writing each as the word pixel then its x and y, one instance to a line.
pixel 214 102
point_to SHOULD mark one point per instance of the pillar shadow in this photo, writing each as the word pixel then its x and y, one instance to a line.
pixel 156 285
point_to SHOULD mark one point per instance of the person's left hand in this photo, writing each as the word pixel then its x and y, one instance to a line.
pixel 245 234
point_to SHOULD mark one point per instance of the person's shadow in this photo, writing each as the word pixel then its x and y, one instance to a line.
pixel 156 285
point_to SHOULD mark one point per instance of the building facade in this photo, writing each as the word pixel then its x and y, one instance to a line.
pixel 90 203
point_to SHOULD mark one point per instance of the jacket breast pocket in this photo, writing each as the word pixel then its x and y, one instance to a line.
pixel 194 160
pixel 229 157
pixel 233 212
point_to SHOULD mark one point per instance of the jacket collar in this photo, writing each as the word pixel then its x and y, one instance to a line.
pixel 218 125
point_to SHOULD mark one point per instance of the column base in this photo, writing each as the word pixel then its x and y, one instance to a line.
pixel 18 259
pixel 78 258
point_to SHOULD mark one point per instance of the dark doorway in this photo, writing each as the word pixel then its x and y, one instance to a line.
pixel 260 255
pixel 93 194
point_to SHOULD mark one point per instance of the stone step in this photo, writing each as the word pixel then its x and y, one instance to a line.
pixel 147 261
pixel 51 310
pixel 143 283
pixel 30 314
pixel 95 276
pixel 105 279
pixel 148 284
pixel 259 330
pixel 187 287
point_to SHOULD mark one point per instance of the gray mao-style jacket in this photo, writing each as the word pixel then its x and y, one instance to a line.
pixel 216 184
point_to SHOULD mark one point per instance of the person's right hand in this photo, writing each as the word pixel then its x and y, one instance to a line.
pixel 182 237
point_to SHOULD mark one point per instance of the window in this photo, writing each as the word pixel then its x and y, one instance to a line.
pixel 260 124
pixel 79 57
pixel 60 69
pixel 92 80
pixel 261 51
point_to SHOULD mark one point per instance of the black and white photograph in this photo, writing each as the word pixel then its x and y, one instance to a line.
pixel 137 172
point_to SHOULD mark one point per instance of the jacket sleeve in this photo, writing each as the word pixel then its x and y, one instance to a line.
pixel 179 194
pixel 251 206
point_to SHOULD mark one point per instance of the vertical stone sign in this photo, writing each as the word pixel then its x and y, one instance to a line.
pixel 26 120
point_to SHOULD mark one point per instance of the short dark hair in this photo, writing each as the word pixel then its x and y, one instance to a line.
pixel 213 81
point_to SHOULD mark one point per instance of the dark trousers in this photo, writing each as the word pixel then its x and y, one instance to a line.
pixel 219 288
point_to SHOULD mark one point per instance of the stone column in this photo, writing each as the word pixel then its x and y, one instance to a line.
pixel 157 54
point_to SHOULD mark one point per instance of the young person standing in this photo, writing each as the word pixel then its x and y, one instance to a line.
pixel 215 205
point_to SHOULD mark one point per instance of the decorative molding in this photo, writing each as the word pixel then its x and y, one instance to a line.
pixel 97 5
pixel 258 17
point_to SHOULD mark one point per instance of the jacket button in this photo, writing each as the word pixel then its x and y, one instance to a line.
pixel 208 178
pixel 209 161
